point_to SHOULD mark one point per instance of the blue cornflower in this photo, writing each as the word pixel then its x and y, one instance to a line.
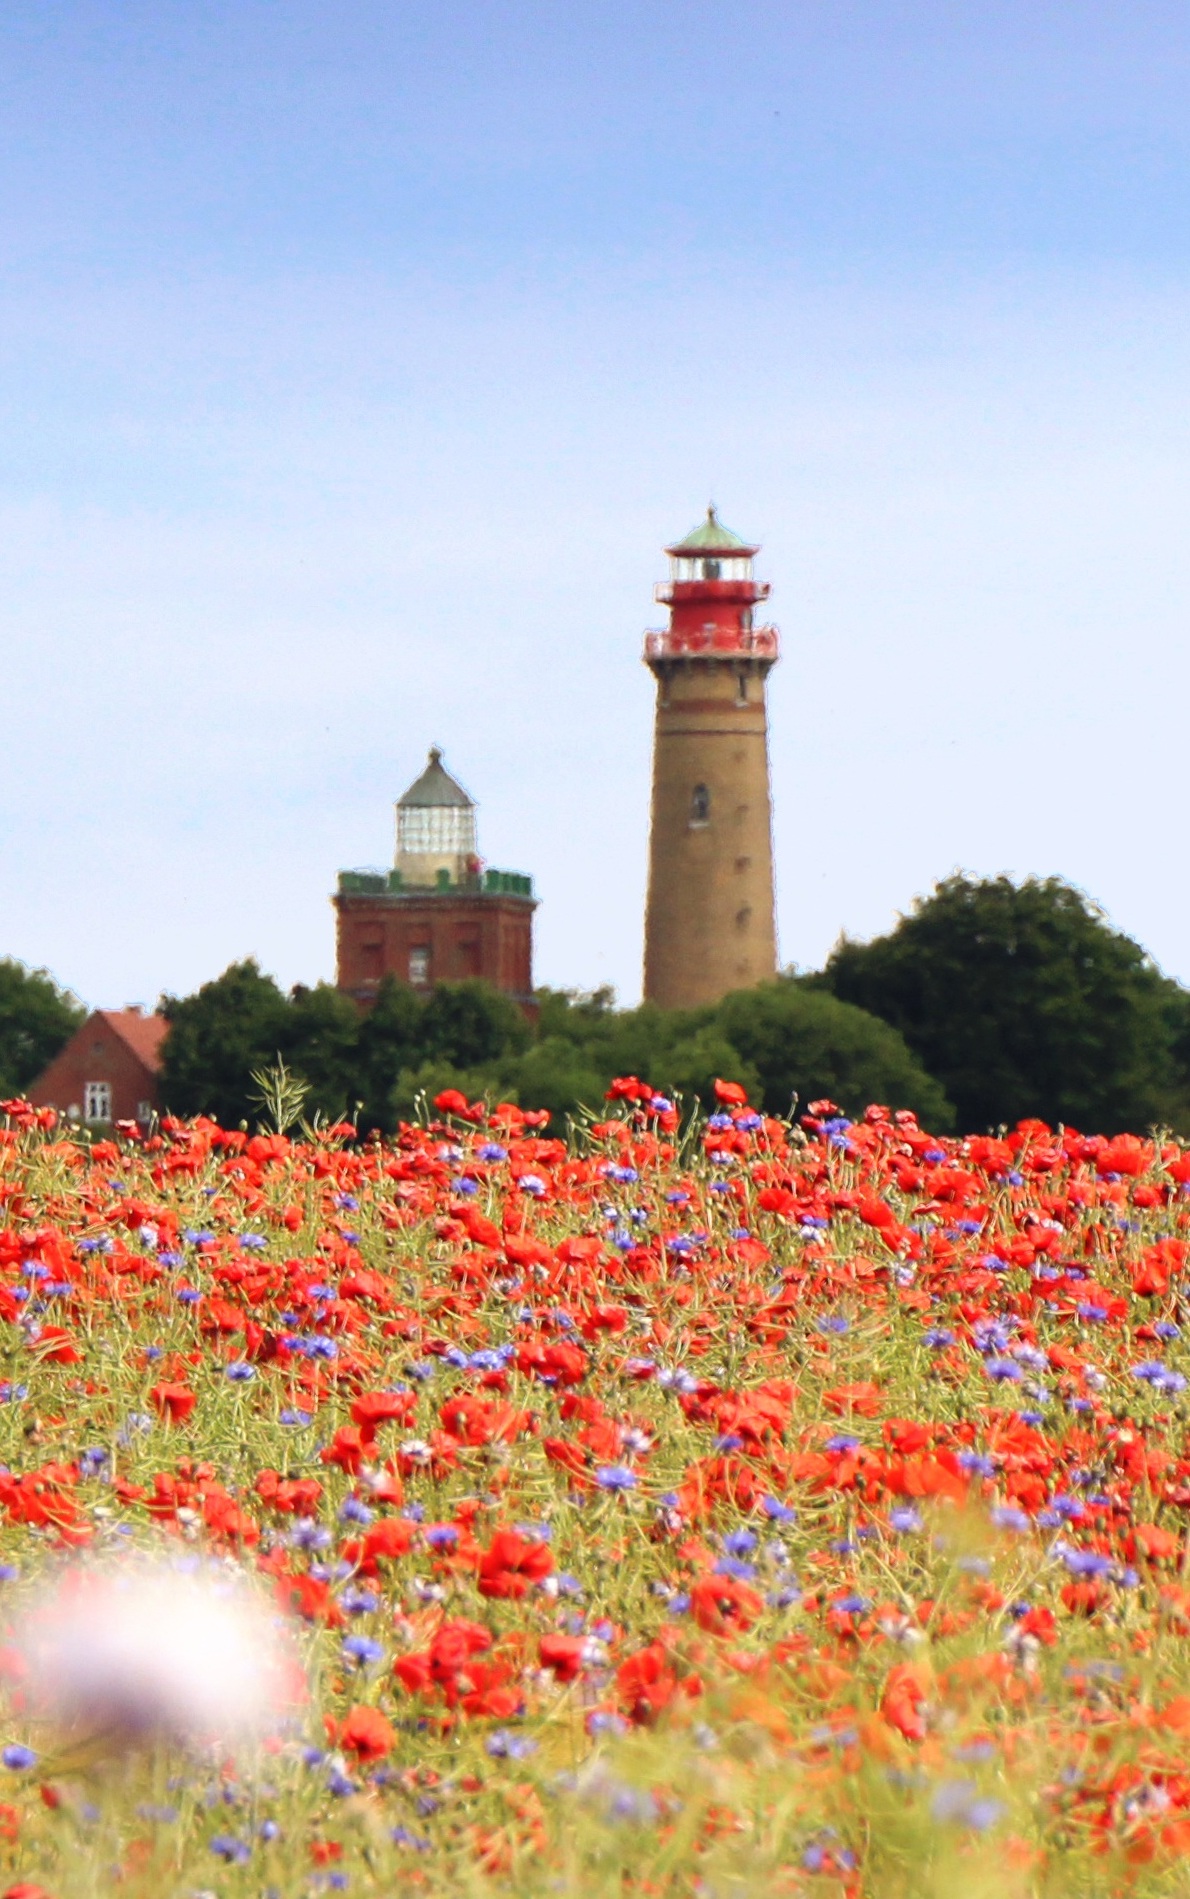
pixel 18 1758
pixel 1003 1369
pixel 615 1477
pixel 1085 1562
pixel 776 1511
pixel 1159 1376
pixel 740 1542
pixel 226 1847
pixel 240 1372
pixel 362 1650
pixel 734 1567
pixel 308 1535
pixel 359 1601
pixel 960 1802
pixel 904 1519
pixel 1006 1517
pixel 505 1745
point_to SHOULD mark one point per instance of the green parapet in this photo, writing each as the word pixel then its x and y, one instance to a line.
pixel 443 879
pixel 395 880
pixel 361 883
pixel 507 883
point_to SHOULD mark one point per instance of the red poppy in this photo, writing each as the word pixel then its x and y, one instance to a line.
pixel 174 1401
pixel 512 1563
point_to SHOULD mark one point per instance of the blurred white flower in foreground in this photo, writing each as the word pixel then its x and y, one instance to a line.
pixel 146 1653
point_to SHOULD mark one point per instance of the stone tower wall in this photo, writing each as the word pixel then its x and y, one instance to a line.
pixel 423 938
pixel 709 923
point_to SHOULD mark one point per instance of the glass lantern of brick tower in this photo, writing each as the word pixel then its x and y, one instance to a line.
pixel 438 915
pixel 709 922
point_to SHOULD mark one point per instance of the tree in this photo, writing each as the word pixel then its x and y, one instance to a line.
pixel 804 1042
pixel 1023 1000
pixel 556 1074
pixel 320 1043
pixel 389 1042
pixel 233 1025
pixel 37 1018
pixel 470 1024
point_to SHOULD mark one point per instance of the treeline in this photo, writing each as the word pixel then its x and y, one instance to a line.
pixel 988 1002
pixel 781 1039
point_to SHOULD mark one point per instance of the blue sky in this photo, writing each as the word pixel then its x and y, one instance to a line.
pixel 356 361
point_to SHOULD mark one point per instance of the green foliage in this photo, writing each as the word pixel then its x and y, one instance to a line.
pixel 470 1024
pixel 240 1026
pixel 37 1019
pixel 412 1093
pixel 990 1001
pixel 779 1039
pixel 280 1095
pixel 217 1038
pixel 556 1074
pixel 802 1042
pixel 388 1044
pixel 321 1042
pixel 1022 1000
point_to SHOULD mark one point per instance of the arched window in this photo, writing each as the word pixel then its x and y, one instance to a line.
pixel 700 805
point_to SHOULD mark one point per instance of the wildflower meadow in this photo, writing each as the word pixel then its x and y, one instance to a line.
pixel 712 1505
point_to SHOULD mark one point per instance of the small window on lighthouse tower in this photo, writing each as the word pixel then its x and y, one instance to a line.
pixel 700 805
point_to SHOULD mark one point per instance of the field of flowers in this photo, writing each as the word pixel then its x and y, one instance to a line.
pixel 714 1507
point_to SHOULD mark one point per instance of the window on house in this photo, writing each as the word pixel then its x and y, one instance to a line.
pixel 144 1110
pixel 700 805
pixel 371 958
pixel 419 964
pixel 97 1101
pixel 469 957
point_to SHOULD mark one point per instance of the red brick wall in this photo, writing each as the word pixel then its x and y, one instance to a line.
pixel 97 1053
pixel 461 936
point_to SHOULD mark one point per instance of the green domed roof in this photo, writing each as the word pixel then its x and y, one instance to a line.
pixel 435 787
pixel 711 537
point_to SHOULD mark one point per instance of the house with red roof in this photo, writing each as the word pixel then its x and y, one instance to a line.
pixel 108 1071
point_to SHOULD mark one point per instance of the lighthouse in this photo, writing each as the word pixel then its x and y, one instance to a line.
pixel 709 923
pixel 439 915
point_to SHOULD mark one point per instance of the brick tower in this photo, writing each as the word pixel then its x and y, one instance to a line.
pixel 438 915
pixel 709 924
